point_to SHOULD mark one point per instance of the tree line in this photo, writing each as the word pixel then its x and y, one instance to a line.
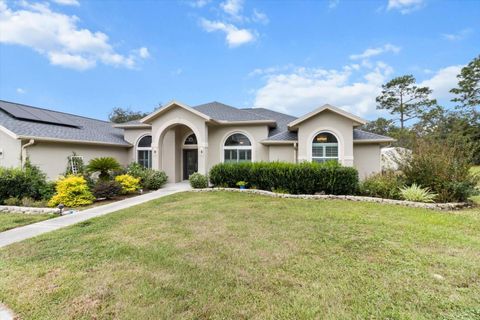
pixel 416 115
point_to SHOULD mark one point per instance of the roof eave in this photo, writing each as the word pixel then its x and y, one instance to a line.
pixel 133 126
pixel 366 141
pixel 246 122
pixel 103 143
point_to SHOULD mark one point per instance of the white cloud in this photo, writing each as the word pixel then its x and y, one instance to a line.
pixel 143 53
pixel 234 36
pixel 260 17
pixel 232 7
pixel 199 3
pixel 333 4
pixel 21 91
pixel 371 52
pixel 405 6
pixel 58 37
pixel 442 81
pixel 67 2
pixel 462 34
pixel 298 91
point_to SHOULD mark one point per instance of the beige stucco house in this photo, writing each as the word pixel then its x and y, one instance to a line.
pixel 181 139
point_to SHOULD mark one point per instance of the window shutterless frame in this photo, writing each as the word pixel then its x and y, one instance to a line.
pixel 144 151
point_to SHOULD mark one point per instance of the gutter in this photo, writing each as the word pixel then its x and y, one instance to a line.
pixel 24 151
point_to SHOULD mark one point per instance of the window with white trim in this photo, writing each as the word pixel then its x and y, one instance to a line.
pixel 324 147
pixel 144 151
pixel 237 148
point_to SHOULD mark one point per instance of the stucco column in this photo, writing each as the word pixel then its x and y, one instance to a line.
pixel 203 151
pixel 156 158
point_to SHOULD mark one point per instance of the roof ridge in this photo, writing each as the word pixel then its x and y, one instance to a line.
pixel 45 109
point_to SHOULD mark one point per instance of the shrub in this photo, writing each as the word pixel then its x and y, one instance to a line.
pixel 104 166
pixel 129 184
pixel 198 181
pixel 138 171
pixel 303 178
pixel 382 185
pixel 72 191
pixel 417 193
pixel 443 167
pixel 12 201
pixel 29 182
pixel 155 180
pixel 107 189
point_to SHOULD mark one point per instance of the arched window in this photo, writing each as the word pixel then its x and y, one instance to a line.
pixel 144 151
pixel 191 140
pixel 324 147
pixel 237 148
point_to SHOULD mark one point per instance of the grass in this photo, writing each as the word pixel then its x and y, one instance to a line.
pixel 13 220
pixel 238 256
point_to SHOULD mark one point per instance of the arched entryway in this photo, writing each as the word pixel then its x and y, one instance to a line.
pixel 179 150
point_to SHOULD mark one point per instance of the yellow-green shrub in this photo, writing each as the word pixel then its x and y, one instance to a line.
pixel 72 191
pixel 129 184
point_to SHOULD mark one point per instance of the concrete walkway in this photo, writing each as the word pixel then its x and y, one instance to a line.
pixel 35 229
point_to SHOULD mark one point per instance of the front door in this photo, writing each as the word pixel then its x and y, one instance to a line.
pixel 190 162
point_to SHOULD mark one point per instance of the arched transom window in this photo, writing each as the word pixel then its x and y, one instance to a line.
pixel 190 140
pixel 324 147
pixel 237 148
pixel 144 151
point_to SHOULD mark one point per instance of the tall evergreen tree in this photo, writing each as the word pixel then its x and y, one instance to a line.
pixel 402 97
pixel 468 91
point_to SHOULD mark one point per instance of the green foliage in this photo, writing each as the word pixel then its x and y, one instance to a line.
pixel 12 201
pixel 155 179
pixel 380 126
pixel 402 97
pixel 120 115
pixel 107 189
pixel 129 184
pixel 149 179
pixel 442 167
pixel 29 182
pixel 103 165
pixel 303 178
pixel 72 191
pixel 198 180
pixel 382 185
pixel 78 161
pixel 241 183
pixel 417 193
pixel 468 91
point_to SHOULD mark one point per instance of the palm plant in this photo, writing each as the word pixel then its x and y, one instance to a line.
pixel 104 165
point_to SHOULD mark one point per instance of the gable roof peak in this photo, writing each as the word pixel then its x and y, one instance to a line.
pixel 356 119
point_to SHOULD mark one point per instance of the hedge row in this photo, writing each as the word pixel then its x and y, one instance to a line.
pixel 303 178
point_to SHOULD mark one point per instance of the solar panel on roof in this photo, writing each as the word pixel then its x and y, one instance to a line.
pixel 37 115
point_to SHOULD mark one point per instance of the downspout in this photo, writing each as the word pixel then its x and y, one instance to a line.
pixel 23 156
pixel 295 152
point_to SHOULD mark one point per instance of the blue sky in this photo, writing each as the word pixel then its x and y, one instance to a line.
pixel 87 57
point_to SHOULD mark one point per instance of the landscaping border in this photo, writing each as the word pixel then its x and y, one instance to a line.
pixel 433 206
pixel 27 210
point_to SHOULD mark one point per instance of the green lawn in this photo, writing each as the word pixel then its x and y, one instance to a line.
pixel 13 220
pixel 239 256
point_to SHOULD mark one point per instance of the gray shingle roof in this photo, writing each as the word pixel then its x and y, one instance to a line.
pixel 364 135
pixel 280 132
pixel 89 130
pixel 220 111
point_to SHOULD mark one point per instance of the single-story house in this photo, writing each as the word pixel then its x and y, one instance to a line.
pixel 181 139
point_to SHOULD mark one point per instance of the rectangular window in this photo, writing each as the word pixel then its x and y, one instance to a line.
pixel 145 158
pixel 231 156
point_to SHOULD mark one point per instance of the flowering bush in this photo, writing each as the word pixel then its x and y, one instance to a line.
pixel 129 184
pixel 72 191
